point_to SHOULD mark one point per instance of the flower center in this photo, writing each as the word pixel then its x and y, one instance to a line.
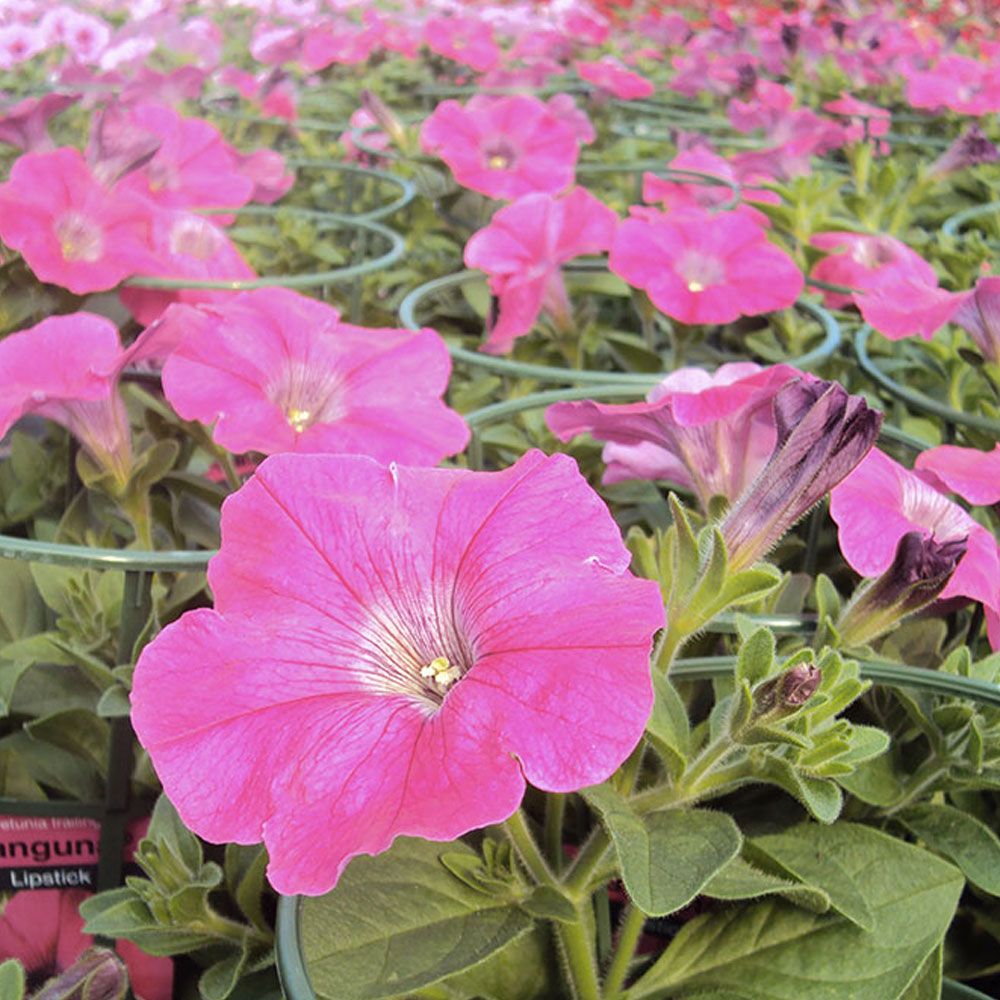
pixel 298 420
pixel 193 237
pixel 873 254
pixel 79 237
pixel 308 394
pixel 699 270
pixel 500 153
pixel 441 672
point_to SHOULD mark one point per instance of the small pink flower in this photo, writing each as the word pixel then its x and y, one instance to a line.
pixel 503 147
pixel 907 306
pixel 277 371
pixel 957 82
pixel 467 40
pixel 342 43
pixel 972 474
pixel 609 74
pixel 880 501
pixel 866 121
pixel 703 268
pixel 25 125
pixel 69 228
pixel 425 642
pixel 865 261
pixel 710 434
pixel 522 249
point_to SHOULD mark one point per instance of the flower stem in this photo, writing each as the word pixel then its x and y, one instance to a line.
pixel 577 881
pixel 555 808
pixel 628 938
pixel 581 966
pixel 524 841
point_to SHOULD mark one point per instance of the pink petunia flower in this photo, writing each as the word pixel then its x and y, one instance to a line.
pixel 466 40
pixel 960 83
pixel 25 125
pixel 69 228
pixel 704 268
pixel 865 261
pixel 503 147
pixel 865 121
pixel 978 313
pixel 609 74
pixel 522 249
pixel 396 651
pixel 43 930
pixel 906 306
pixel 972 474
pixel 278 371
pixel 710 434
pixel 880 501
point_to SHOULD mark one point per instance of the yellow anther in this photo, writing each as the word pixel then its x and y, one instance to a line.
pixel 695 286
pixel 498 162
pixel 442 672
pixel 298 419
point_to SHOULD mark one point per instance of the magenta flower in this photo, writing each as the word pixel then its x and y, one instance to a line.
pixel 880 501
pixel 703 268
pixel 467 40
pixel 609 74
pixel 710 434
pixel 865 261
pixel 70 229
pixel 979 315
pixel 278 371
pixel 907 306
pixel 866 121
pixel 25 125
pixel 958 82
pixel 522 248
pixel 185 245
pixel 396 651
pixel 503 147
pixel 972 474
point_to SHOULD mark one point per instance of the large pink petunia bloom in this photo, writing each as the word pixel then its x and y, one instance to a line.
pixel 711 434
pixel 880 501
pixel 609 74
pixel 865 261
pixel 704 268
pixel 522 249
pixel 961 83
pixel 467 40
pixel 503 147
pixel 278 371
pixel 396 651
pixel 69 228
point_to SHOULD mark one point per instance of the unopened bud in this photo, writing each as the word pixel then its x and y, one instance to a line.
pixel 97 974
pixel 385 117
pixel 784 694
pixel 969 149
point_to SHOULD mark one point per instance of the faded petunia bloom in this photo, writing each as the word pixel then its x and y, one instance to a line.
pixel 711 434
pixel 396 651
pixel 702 268
pixel 503 147
pixel 278 371
pixel 522 249
pixel 880 501
pixel 969 150
pixel 822 434
pixel 920 570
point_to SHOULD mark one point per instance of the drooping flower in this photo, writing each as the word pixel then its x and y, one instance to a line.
pixel 972 474
pixel 865 261
pixel 278 371
pixel 25 125
pixel 503 147
pixel 711 434
pixel 609 74
pixel 978 313
pixel 43 930
pixel 880 501
pixel 522 249
pixel 396 651
pixel 704 268
pixel 822 434
pixel 969 150
pixel 69 228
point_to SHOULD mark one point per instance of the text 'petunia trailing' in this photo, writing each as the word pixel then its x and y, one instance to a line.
pixel 396 651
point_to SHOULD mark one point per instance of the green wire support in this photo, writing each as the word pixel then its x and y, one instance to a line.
pixel 549 373
pixel 396 244
pixel 953 225
pixel 917 399
pixel 407 190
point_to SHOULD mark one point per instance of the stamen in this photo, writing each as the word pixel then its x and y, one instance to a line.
pixel 441 672
pixel 298 420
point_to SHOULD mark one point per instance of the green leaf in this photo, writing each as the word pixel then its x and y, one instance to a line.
pixel 742 880
pixel 11 979
pixel 756 658
pixel 77 731
pixel 22 611
pixel 876 781
pixel 794 853
pixel 165 825
pixel 775 951
pixel 927 983
pixel 820 796
pixel 548 903
pixel 668 727
pixel 244 870
pixel 220 979
pixel 399 921
pixel 120 913
pixel 963 839
pixel 666 857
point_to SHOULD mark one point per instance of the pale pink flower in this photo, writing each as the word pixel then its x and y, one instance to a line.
pixel 711 434
pixel 277 371
pixel 880 501
pixel 424 641
pixel 704 268
pixel 609 74
pixel 84 35
pixel 274 44
pixel 503 147
pixel 19 43
pixel 69 228
pixel 522 249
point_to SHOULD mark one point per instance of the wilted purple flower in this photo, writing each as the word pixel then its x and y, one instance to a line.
pixel 823 432
pixel 785 693
pixel 968 150
pixel 98 974
pixel 919 572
